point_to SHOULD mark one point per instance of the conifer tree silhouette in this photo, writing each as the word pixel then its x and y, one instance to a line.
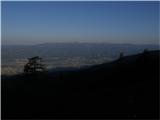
pixel 34 65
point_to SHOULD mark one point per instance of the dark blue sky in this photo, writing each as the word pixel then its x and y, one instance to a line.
pixel 111 22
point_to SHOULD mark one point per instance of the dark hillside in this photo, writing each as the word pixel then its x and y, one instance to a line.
pixel 125 88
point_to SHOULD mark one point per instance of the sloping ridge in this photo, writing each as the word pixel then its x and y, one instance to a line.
pixel 153 56
pixel 125 88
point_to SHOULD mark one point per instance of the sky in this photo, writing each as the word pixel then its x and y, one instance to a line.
pixel 110 22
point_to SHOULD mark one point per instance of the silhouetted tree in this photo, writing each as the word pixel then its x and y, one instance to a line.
pixel 34 65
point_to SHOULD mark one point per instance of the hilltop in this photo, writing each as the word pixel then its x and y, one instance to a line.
pixel 125 88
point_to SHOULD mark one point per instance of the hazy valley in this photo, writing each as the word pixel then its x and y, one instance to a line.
pixel 65 55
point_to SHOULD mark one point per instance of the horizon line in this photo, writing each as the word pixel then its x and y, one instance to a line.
pixel 78 43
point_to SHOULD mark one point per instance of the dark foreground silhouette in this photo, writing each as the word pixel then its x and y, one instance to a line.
pixel 125 88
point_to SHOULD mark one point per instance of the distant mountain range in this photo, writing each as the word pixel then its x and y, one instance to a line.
pixel 125 88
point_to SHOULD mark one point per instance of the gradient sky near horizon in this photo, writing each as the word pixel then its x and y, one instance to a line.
pixel 111 22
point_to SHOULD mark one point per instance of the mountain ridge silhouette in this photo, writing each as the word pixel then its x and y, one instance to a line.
pixel 125 88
